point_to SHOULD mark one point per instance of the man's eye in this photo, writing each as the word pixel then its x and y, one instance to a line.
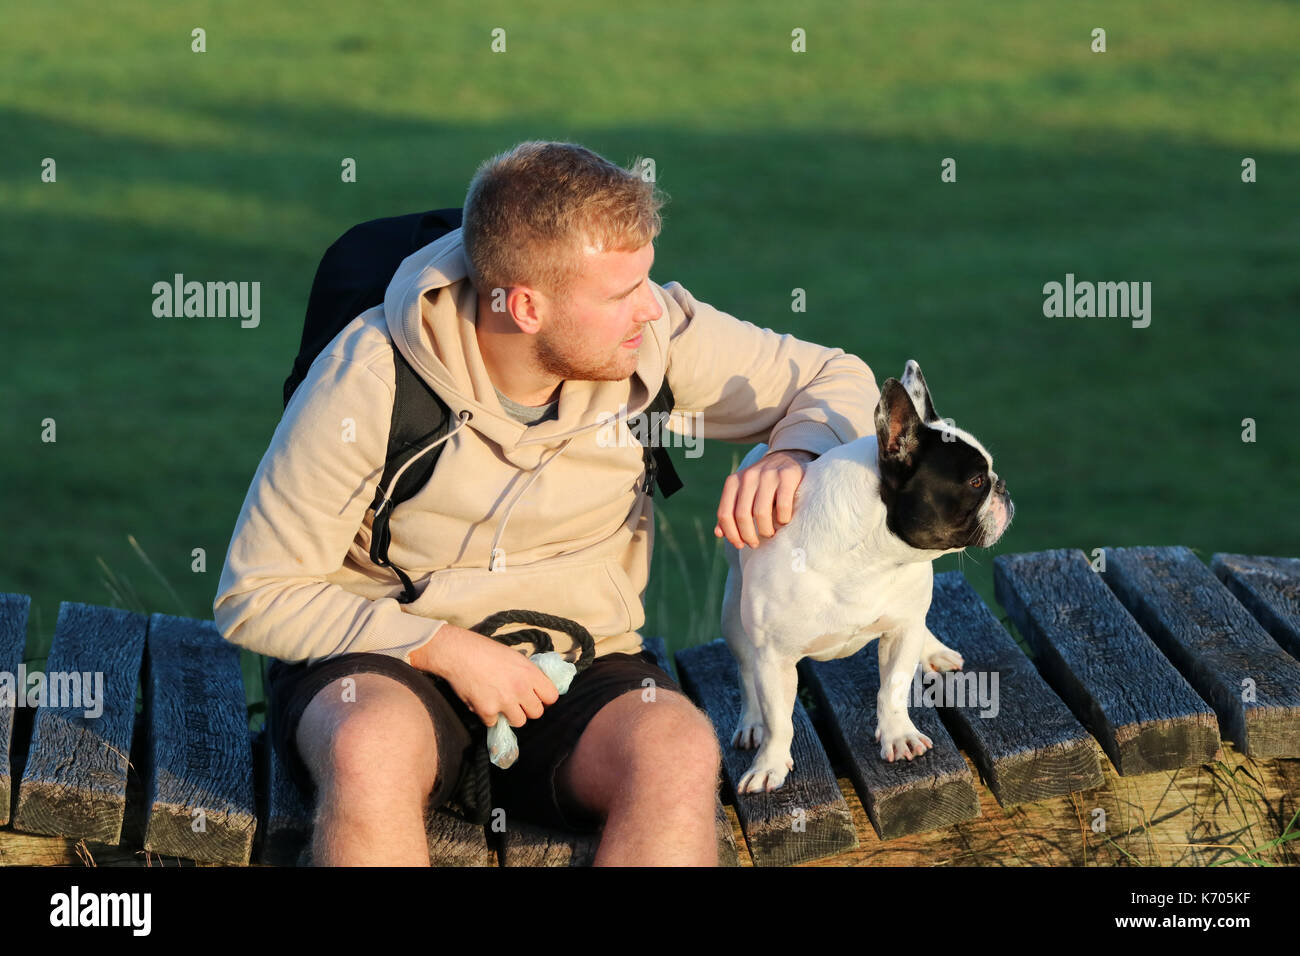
pixel 977 481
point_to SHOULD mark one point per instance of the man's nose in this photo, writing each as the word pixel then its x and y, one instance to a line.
pixel 650 309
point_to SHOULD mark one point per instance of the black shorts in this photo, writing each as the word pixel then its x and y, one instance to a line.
pixel 528 789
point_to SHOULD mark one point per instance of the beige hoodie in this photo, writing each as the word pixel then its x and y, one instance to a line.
pixel 563 506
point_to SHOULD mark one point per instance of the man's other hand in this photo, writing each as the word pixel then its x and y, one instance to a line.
pixel 490 677
pixel 756 497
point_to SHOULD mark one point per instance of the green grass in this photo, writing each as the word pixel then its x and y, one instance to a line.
pixel 818 171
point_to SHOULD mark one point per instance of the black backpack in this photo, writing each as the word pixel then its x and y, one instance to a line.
pixel 352 277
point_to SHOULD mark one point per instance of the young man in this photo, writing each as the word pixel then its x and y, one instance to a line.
pixel 535 323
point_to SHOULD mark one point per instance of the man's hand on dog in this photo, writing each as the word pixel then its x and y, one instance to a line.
pixel 756 497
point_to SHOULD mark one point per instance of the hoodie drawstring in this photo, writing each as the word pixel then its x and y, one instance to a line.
pixel 381 535
pixel 464 415
pixel 497 560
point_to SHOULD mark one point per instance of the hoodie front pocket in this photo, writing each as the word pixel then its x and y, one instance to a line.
pixel 597 594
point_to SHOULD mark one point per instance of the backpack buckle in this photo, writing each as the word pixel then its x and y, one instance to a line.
pixel 651 470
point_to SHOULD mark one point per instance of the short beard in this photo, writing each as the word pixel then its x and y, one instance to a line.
pixel 552 361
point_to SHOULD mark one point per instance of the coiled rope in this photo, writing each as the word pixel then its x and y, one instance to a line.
pixel 474 793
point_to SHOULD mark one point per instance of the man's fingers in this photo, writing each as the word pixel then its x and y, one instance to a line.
pixel 533 708
pixel 756 502
pixel 769 482
pixel 744 511
pixel 726 508
pixel 515 716
pixel 790 479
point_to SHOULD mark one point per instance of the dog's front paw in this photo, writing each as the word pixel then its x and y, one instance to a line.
pixel 768 772
pixel 749 733
pixel 903 741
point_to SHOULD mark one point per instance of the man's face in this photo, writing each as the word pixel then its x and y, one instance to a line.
pixel 586 336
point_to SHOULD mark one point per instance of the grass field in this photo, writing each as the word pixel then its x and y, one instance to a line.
pixel 817 170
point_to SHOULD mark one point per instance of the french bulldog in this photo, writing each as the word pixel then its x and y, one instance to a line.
pixel 854 563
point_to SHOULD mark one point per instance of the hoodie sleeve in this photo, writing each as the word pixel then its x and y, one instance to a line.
pixel 302 512
pixel 754 385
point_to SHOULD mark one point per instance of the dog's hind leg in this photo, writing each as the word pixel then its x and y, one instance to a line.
pixel 749 729
pixel 937 656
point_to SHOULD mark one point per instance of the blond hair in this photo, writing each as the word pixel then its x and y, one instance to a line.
pixel 532 210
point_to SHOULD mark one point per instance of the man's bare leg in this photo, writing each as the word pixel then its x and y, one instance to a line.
pixel 651 768
pixel 374 759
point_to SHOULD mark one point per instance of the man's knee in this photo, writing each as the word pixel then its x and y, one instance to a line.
pixel 639 744
pixel 369 733
pixel 672 732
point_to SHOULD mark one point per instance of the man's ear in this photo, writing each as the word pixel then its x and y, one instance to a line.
pixel 914 382
pixel 898 426
pixel 525 306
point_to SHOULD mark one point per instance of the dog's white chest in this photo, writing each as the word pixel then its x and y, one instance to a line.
pixel 845 643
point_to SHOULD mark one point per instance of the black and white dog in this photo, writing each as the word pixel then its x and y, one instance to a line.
pixel 855 563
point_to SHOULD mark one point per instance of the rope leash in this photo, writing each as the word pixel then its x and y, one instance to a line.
pixel 475 790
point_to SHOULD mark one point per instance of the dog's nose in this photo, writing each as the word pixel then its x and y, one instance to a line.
pixel 1001 486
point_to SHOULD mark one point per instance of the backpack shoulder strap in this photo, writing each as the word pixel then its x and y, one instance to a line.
pixel 420 417
pixel 351 278
pixel 658 464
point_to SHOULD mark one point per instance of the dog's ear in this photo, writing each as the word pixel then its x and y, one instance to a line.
pixel 914 382
pixel 898 426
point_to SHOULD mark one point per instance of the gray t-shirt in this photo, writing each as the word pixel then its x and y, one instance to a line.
pixel 529 414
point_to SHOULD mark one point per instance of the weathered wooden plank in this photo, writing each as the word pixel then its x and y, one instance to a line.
pixel 1269 588
pixel 527 844
pixel 199 778
pixel 31 849
pixel 728 855
pixel 1096 657
pixel 1252 684
pixel 287 819
pixel 728 852
pixel 456 842
pixel 1025 742
pixel 906 796
pixel 74 783
pixel 13 641
pixel 804 819
pixel 1215 813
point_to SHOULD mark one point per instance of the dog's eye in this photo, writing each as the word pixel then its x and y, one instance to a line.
pixel 977 481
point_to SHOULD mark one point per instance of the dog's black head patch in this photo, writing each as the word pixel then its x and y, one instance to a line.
pixel 935 478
